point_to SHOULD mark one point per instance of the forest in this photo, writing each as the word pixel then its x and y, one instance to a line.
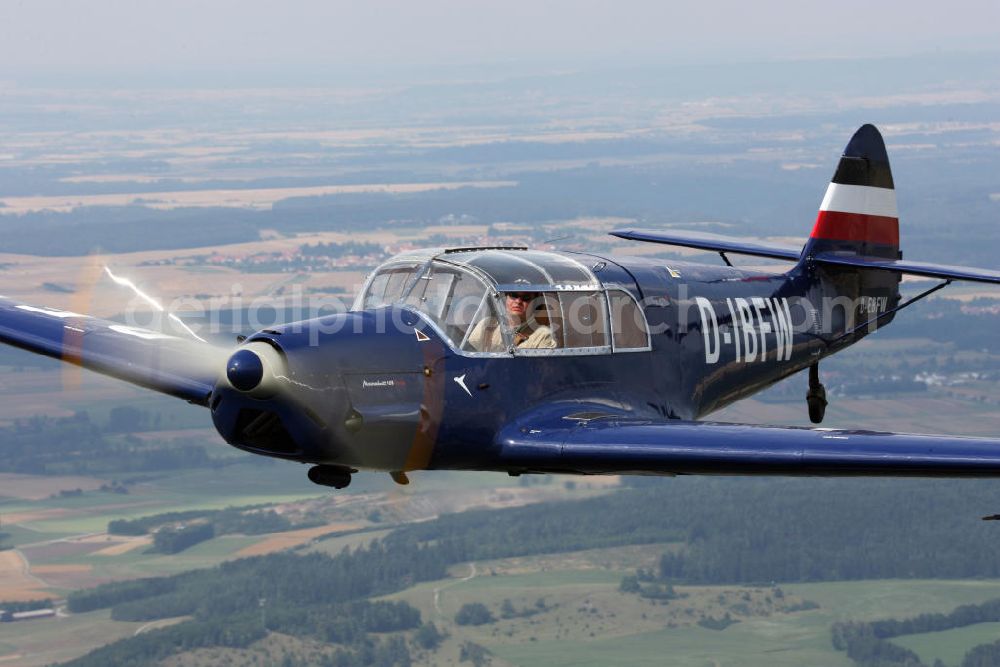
pixel 77 445
pixel 750 530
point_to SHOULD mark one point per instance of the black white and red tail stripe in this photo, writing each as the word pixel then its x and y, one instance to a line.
pixel 858 214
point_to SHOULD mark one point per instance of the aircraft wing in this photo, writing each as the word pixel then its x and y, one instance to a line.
pixel 181 367
pixel 593 440
pixel 713 242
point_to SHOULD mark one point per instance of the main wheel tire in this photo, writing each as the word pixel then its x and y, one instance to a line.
pixel 816 399
pixel 817 410
pixel 338 478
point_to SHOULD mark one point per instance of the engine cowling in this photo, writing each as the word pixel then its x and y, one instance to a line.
pixel 344 390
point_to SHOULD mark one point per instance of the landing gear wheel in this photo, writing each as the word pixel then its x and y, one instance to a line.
pixel 816 396
pixel 817 406
pixel 335 476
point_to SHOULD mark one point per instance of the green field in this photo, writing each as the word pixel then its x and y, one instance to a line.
pixel 18 535
pixel 801 638
pixel 893 598
pixel 525 583
pixel 138 563
pixel 335 545
pixel 229 486
pixel 622 629
pixel 46 641
pixel 95 520
pixel 950 646
pixel 695 647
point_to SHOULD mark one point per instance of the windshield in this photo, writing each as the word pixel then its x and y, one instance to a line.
pixel 387 286
pixel 457 301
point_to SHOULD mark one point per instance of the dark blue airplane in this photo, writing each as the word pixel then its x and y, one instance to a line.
pixel 524 361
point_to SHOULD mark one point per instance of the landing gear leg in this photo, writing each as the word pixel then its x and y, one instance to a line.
pixel 816 397
pixel 334 476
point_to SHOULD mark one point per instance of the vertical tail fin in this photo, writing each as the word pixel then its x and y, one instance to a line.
pixel 858 218
pixel 858 215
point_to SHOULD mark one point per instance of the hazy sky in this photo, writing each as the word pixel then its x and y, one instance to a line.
pixel 165 34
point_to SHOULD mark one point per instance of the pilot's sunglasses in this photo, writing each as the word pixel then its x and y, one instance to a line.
pixel 520 296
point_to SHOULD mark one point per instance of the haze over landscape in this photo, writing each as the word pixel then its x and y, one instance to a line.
pixel 231 154
pixel 339 36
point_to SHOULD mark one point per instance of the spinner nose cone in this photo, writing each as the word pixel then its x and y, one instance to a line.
pixel 245 370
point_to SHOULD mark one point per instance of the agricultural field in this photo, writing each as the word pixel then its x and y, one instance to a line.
pixel 57 524
pixel 44 642
pixel 591 623
pixel 586 620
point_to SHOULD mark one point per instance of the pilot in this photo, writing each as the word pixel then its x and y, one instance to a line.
pixel 529 333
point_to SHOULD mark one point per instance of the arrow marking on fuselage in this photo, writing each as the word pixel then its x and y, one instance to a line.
pixel 461 383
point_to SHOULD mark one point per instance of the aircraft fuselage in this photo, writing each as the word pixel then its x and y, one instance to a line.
pixel 385 388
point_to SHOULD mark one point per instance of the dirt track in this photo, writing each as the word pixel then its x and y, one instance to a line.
pixel 16 580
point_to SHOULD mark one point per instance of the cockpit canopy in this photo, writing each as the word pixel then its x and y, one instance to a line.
pixel 511 301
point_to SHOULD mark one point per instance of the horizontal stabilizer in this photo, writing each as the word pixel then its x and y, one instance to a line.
pixel 719 243
pixel 585 441
pixel 912 268
pixel 712 242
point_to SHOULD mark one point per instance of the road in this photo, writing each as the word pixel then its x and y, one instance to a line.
pixel 437 591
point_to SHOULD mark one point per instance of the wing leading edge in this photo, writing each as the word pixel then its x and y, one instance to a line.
pixel 180 367
pixel 557 440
